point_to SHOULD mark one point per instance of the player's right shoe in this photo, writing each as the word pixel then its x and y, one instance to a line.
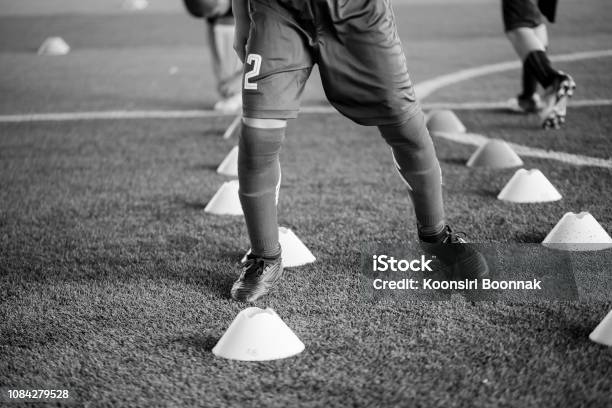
pixel 555 99
pixel 462 259
pixel 258 276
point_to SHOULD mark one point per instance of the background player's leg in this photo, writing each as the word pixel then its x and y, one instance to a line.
pixel 558 86
pixel 416 161
pixel 259 177
pixel 226 65
pixel 529 81
pixel 524 40
pixel 533 54
pixel 542 33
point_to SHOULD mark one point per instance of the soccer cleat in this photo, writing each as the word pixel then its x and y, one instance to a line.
pixel 555 99
pixel 525 104
pixel 257 278
pixel 231 104
pixel 463 260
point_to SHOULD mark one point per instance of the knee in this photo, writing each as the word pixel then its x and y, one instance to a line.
pixel 260 143
pixel 410 136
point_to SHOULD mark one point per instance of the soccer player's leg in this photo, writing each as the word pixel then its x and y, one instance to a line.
pixel 415 159
pixel 277 65
pixel 520 19
pixel 226 65
pixel 365 76
pixel 524 27
pixel 416 162
pixel 259 175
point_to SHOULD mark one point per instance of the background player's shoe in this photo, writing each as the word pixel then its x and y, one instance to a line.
pixel 232 104
pixel 257 278
pixel 525 104
pixel 555 101
pixel 463 259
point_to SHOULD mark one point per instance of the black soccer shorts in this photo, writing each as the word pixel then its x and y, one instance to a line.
pixel 356 46
pixel 523 13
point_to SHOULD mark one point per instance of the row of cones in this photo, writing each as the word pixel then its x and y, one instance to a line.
pixel 258 334
pixel 575 232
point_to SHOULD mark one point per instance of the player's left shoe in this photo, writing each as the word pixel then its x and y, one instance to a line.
pixel 232 104
pixel 555 99
pixel 258 276
pixel 462 258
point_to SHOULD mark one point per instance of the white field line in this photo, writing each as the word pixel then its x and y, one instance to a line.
pixel 506 105
pixel 422 89
pixel 526 151
pixel 202 114
pixel 106 115
pixel 426 88
pixel 133 114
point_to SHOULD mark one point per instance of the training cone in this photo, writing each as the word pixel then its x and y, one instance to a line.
pixel 444 121
pixel 578 232
pixel 603 332
pixel 135 4
pixel 258 335
pixel 54 46
pixel 495 154
pixel 229 165
pixel 225 201
pixel 529 186
pixel 294 252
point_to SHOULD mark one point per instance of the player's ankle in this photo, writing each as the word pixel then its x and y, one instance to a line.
pixel 432 233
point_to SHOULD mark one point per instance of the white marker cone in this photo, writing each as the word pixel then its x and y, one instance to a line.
pixel 258 335
pixel 54 46
pixel 578 232
pixel 229 165
pixel 603 332
pixel 226 200
pixel 444 121
pixel 135 4
pixel 294 252
pixel 495 154
pixel 529 186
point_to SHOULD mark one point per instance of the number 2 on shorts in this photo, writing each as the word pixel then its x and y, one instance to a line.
pixel 254 59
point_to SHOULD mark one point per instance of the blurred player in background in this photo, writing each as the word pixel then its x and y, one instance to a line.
pixel 227 68
pixel 526 30
pixel 365 77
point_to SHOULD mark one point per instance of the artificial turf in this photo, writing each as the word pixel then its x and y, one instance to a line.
pixel 114 283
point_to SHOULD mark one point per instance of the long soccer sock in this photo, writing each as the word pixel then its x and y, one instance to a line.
pixel 259 177
pixel 530 83
pixel 538 64
pixel 416 161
